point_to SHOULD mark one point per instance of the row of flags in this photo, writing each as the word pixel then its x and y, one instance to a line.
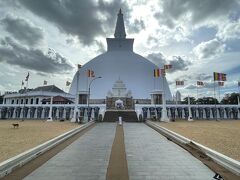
pixel 90 73
pixel 161 72
pixel 220 77
pixel 201 83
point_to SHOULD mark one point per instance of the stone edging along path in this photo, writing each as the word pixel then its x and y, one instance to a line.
pixel 228 168
pixel 6 167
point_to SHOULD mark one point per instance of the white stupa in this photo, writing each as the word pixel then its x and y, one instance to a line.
pixel 120 61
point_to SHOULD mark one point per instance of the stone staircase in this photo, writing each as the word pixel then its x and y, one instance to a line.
pixel 127 115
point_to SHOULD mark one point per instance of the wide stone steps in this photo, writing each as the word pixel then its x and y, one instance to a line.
pixel 127 116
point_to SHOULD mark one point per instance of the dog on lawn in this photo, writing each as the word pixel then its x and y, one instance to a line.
pixel 15 125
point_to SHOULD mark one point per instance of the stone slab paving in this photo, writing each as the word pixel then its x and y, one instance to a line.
pixel 151 156
pixel 85 159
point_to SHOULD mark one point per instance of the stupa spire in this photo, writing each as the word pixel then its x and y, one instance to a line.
pixel 120 28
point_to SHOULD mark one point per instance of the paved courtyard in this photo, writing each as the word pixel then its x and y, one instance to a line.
pixel 85 159
pixel 152 156
pixel 149 156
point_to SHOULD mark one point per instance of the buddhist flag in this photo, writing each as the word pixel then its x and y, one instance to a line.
pixel 27 77
pixel 220 83
pixel 167 66
pixel 68 83
pixel 44 82
pixel 156 73
pixel 90 73
pixel 79 66
pixel 200 83
pixel 219 76
pixel 179 83
pixel 159 72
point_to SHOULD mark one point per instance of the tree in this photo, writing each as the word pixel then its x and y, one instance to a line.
pixel 192 100
pixel 230 98
pixel 207 100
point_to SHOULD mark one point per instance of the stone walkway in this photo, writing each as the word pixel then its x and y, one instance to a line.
pixel 152 156
pixel 85 159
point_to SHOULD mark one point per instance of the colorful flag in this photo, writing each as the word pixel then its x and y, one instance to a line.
pixel 90 73
pixel 156 73
pixel 167 66
pixel 159 72
pixel 44 82
pixel 200 83
pixel 27 77
pixel 79 66
pixel 219 76
pixel 179 83
pixel 68 83
pixel 220 83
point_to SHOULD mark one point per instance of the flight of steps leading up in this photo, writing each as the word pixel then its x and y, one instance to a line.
pixel 127 115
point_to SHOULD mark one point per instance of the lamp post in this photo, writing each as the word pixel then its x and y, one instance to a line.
pixel 89 86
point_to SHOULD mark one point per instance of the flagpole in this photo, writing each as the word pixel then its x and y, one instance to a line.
pixel 76 100
pixel 197 102
pixel 22 83
pixel 176 101
pixel 50 111
pixel 24 103
pixel 219 96
pixel 215 99
pixel 238 93
pixel 164 110
pixel 189 110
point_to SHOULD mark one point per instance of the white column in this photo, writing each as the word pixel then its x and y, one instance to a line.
pixel 64 113
pixel 28 113
pixel 50 111
pixel 14 111
pixel 189 110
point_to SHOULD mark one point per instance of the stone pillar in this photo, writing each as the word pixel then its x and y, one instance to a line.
pixel 14 113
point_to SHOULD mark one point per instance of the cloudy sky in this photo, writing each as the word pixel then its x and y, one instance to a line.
pixel 49 38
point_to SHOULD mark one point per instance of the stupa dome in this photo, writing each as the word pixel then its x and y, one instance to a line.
pixel 120 61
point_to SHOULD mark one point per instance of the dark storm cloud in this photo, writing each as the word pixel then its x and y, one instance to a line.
pixel 197 11
pixel 23 30
pixel 15 54
pixel 178 63
pixel 85 19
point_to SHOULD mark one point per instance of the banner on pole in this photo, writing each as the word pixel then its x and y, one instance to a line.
pixel 220 83
pixel 200 83
pixel 219 76
pixel 179 83
pixel 159 72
